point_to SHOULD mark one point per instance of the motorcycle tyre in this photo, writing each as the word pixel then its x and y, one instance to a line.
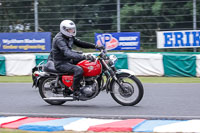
pixel 140 88
pixel 41 82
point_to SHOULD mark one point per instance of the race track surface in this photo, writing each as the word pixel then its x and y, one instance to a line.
pixel 169 101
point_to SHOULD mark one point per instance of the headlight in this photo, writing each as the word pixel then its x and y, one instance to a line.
pixel 113 59
pixel 39 73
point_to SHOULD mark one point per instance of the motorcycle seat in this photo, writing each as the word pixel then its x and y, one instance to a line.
pixel 50 68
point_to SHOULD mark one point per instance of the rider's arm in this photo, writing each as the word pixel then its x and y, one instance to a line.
pixel 50 57
pixel 83 44
pixel 68 53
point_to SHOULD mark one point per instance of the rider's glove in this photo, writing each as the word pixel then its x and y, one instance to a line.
pixel 83 57
pixel 90 57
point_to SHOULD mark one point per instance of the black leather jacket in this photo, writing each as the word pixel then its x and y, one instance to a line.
pixel 62 48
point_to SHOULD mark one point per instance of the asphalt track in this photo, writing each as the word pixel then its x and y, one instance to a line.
pixel 160 101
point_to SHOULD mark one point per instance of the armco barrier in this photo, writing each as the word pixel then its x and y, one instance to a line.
pixel 142 64
pixel 98 125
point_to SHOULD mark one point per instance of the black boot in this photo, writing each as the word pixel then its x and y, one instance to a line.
pixel 76 87
pixel 78 76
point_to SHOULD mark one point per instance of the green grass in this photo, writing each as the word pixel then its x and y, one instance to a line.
pixel 169 79
pixel 28 79
pixel 15 79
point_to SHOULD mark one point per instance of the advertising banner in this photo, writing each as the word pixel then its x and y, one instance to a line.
pixel 178 39
pixel 119 41
pixel 25 42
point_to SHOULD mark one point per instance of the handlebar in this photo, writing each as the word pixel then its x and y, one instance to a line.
pixel 102 53
pixel 100 47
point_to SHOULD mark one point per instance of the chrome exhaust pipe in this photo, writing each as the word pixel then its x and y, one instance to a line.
pixel 59 99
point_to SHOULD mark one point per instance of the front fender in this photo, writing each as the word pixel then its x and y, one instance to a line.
pixel 119 71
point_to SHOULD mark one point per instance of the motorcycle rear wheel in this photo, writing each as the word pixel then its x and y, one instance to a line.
pixel 132 91
pixel 44 88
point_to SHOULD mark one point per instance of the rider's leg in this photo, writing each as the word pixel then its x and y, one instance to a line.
pixel 78 76
pixel 73 69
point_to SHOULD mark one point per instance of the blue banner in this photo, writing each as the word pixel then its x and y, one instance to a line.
pixel 119 41
pixel 25 42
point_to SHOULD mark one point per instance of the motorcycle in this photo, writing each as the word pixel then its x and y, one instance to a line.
pixel 100 74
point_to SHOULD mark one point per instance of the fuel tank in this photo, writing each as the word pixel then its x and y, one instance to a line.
pixel 90 68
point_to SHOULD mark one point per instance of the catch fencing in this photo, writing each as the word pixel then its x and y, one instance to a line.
pixel 91 16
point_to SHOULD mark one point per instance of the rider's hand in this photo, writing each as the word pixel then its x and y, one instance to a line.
pixel 84 57
pixel 90 57
pixel 99 47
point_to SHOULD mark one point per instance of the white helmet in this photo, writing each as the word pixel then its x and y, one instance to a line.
pixel 68 28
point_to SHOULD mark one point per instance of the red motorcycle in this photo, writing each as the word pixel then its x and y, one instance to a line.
pixel 100 74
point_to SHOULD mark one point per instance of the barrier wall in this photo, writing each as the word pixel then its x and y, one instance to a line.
pixel 146 64
pixel 142 64
pixel 179 65
pixel 19 64
pixel 2 65
pixel 41 57
pixel 198 65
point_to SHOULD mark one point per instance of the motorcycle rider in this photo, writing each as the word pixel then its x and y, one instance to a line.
pixel 64 57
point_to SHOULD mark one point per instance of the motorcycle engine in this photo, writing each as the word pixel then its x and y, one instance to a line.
pixel 89 90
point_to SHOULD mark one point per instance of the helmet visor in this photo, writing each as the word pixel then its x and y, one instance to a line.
pixel 71 30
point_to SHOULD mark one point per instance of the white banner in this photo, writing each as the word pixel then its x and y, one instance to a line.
pixel 178 39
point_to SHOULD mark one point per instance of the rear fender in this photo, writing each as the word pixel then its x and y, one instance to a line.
pixel 36 82
pixel 37 78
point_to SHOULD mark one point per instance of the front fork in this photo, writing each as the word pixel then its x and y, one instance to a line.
pixel 111 73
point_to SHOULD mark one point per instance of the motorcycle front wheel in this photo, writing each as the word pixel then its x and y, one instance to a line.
pixel 131 92
pixel 45 90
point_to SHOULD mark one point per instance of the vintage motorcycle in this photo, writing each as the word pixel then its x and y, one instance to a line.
pixel 99 74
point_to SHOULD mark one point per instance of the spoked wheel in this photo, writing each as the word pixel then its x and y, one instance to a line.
pixel 46 91
pixel 131 92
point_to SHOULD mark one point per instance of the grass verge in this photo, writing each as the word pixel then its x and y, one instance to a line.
pixel 15 79
pixel 28 79
pixel 169 79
